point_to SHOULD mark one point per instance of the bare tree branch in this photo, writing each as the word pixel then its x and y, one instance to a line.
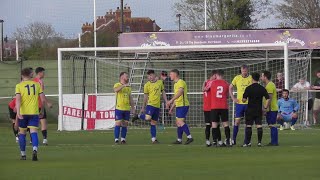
pixel 37 34
pixel 299 13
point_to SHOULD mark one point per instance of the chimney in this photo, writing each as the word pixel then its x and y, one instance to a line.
pixel 118 13
pixel 127 12
pixel 154 26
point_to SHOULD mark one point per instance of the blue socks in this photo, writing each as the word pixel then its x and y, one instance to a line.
pixel 116 132
pixel 235 132
pixel 293 121
pixel 22 142
pixel 35 140
pixel 153 131
pixel 185 129
pixel 124 132
pixel 274 135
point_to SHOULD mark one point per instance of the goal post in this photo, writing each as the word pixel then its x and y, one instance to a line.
pixel 195 63
pixel 286 65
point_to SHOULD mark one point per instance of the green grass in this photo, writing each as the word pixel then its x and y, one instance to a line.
pixel 92 155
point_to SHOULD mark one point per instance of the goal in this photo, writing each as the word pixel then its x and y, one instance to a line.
pixel 87 75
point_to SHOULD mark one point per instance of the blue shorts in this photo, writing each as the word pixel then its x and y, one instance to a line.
pixel 122 115
pixel 29 121
pixel 240 110
pixel 153 112
pixel 181 112
pixel 271 117
pixel 286 117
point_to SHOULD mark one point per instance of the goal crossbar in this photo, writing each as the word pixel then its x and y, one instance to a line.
pixel 176 48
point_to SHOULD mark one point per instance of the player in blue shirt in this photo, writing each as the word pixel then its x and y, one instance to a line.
pixel 288 108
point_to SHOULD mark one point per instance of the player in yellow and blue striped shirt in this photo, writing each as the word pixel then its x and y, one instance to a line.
pixel 150 111
pixel 27 99
pixel 241 82
pixel 124 103
pixel 180 100
pixel 272 110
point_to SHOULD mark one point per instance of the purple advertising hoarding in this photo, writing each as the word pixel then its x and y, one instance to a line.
pixel 295 38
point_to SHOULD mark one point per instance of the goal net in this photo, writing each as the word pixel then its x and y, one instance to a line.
pixel 87 75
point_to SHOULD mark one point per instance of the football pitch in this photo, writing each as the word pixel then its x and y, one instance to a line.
pixel 93 155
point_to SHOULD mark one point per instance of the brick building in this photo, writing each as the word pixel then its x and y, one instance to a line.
pixel 110 22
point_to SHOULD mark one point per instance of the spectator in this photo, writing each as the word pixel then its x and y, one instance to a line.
pixel 168 89
pixel 279 81
pixel 288 109
pixel 316 106
pixel 304 85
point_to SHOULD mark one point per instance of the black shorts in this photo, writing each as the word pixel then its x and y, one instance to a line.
pixel 253 116
pixel 218 115
pixel 44 113
pixel 12 114
pixel 207 117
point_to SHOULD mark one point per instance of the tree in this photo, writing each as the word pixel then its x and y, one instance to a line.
pixel 37 34
pixel 221 14
pixel 299 13
pixel 39 40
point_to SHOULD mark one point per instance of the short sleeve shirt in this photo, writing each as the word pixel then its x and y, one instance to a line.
pixel 29 91
pixel 123 98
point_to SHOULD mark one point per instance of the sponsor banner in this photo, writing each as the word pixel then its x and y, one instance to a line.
pixel 295 38
pixel 98 112
pixel 71 123
pixel 97 115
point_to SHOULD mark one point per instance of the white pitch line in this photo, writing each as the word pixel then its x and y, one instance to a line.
pixel 302 146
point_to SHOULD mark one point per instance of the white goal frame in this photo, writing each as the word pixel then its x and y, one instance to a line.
pixel 279 46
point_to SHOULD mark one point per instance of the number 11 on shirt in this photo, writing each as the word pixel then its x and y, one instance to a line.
pixel 28 88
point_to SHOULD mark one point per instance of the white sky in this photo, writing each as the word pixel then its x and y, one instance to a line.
pixel 67 16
